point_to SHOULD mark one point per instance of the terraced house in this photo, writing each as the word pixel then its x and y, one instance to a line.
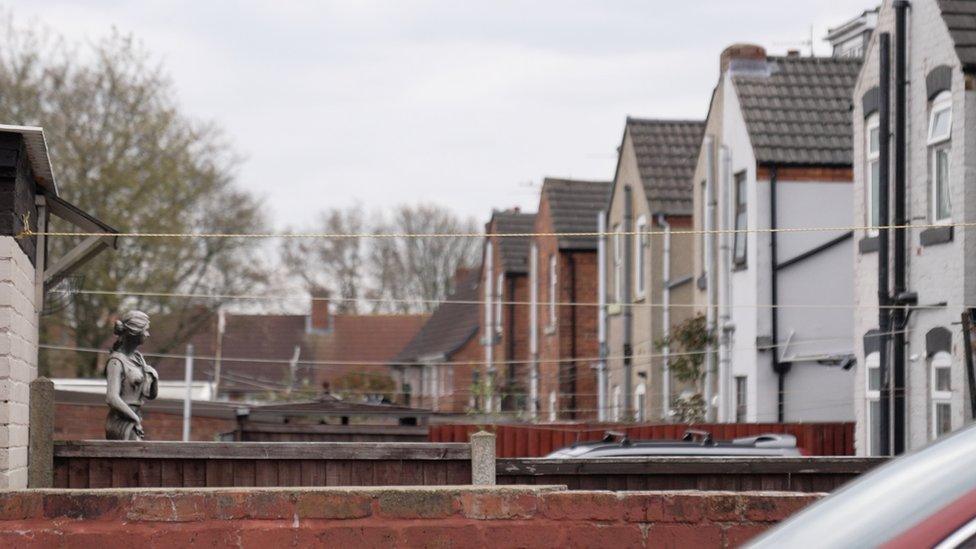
pixel 504 313
pixel 932 268
pixel 651 192
pixel 563 319
pixel 776 155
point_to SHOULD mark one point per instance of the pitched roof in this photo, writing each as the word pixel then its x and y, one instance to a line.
pixel 666 152
pixel 960 19
pixel 256 349
pixel 514 252
pixel 573 207
pixel 450 327
pixel 797 111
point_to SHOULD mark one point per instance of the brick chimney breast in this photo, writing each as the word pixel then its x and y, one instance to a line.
pixel 746 54
pixel 321 319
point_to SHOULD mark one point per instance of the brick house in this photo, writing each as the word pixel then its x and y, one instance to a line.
pixel 651 191
pixel 563 269
pixel 940 190
pixel 505 289
pixel 776 155
pixel 438 368
pixel 317 352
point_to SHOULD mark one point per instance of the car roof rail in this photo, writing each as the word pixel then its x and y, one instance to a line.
pixel 616 436
pixel 695 435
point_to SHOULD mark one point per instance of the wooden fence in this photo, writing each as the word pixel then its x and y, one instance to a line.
pixel 255 431
pixel 121 464
pixel 515 440
pixel 805 474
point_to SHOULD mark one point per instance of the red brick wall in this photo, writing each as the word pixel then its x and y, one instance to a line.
pixel 384 517
pixel 86 422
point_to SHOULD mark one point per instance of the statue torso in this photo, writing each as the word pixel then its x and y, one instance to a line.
pixel 137 377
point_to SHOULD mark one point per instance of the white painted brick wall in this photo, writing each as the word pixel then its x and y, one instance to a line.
pixel 18 360
pixel 937 273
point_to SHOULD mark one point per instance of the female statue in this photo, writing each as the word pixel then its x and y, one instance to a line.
pixel 130 380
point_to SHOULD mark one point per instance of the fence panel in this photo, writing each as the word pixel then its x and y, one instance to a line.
pixel 523 440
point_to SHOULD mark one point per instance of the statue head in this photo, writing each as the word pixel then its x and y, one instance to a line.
pixel 132 327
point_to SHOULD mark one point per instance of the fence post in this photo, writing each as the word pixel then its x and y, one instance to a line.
pixel 483 459
pixel 40 454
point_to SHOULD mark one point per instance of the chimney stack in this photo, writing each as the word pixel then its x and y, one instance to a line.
pixel 320 319
pixel 749 55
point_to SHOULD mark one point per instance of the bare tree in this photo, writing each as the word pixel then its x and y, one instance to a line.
pixel 335 264
pixel 417 271
pixel 123 151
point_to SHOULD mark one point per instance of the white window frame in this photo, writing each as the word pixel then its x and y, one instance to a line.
pixel 618 264
pixel 938 398
pixel 939 143
pixel 553 405
pixel 499 285
pixel 871 362
pixel 740 211
pixel 871 158
pixel 617 403
pixel 553 288
pixel 741 399
pixel 640 255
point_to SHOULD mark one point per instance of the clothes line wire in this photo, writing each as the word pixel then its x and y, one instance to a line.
pixel 28 232
pixel 257 297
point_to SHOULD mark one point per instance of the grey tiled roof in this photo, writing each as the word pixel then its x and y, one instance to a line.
pixel 798 112
pixel 960 18
pixel 573 207
pixel 666 151
pixel 449 327
pixel 514 251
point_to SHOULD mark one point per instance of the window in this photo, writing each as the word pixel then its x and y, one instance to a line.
pixel 872 380
pixel 872 176
pixel 553 408
pixel 552 290
pixel 702 212
pixel 941 394
pixel 499 285
pixel 618 264
pixel 639 400
pixel 640 245
pixel 741 406
pixel 940 132
pixel 741 221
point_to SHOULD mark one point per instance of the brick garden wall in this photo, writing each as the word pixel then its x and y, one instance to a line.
pixel 385 517
pixel 85 422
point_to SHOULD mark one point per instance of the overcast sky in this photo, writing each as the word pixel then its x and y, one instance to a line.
pixel 467 104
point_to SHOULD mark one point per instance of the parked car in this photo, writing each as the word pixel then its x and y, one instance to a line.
pixel 924 499
pixel 693 443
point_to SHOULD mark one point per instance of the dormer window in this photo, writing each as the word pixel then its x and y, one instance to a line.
pixel 940 143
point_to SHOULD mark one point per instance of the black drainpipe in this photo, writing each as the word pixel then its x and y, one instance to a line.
pixel 899 319
pixel 779 368
pixel 884 163
pixel 573 366
pixel 510 345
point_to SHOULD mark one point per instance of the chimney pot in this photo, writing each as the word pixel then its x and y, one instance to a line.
pixel 746 52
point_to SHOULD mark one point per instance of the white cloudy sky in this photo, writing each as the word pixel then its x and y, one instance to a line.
pixel 468 104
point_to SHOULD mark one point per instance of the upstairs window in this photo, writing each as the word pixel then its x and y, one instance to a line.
pixel 939 141
pixel 618 264
pixel 553 281
pixel 872 174
pixel 741 220
pixel 640 254
pixel 499 294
